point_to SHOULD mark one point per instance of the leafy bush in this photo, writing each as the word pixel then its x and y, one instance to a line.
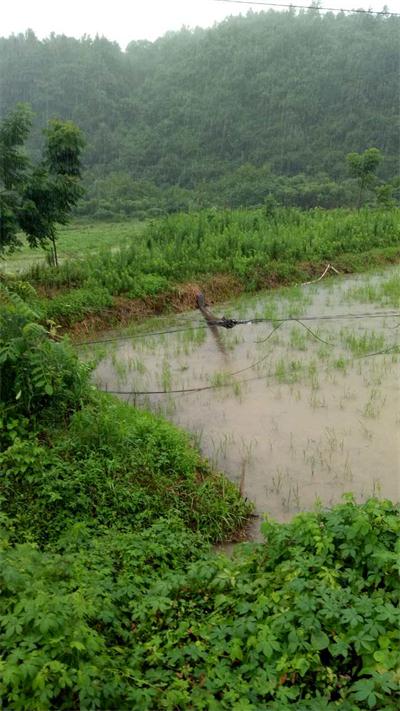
pixel 151 620
pixel 65 616
pixel 37 374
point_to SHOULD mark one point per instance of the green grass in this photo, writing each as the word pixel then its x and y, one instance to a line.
pixel 114 466
pixel 76 241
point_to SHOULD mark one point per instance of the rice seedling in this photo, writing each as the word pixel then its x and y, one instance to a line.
pixel 374 404
pixel 291 499
pixel 385 292
pixel 166 376
pixel 277 482
pixel 298 338
pixel 367 342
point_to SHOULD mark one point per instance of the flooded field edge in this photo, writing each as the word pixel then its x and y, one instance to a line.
pixel 297 415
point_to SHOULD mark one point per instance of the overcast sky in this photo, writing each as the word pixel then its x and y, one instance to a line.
pixel 126 20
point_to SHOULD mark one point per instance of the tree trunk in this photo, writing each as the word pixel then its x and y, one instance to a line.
pixel 53 239
pixel 362 185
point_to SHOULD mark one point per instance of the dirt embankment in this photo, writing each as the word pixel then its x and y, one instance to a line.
pixel 219 288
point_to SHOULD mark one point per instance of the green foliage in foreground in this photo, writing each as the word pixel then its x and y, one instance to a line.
pixel 258 247
pixel 151 620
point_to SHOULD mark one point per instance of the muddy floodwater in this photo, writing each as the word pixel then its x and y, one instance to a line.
pixel 296 412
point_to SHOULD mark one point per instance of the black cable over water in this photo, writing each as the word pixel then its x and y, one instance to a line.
pixel 183 391
pixel 231 323
pixel 202 388
pixel 254 365
pixel 141 335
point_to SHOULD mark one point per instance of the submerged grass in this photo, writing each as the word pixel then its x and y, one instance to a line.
pixel 385 293
pixel 363 344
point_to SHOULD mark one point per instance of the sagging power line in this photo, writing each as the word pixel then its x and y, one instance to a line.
pixel 181 391
pixel 231 323
pixel 312 7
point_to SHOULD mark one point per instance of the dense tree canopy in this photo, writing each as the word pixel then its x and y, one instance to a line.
pixel 279 93
pixel 363 166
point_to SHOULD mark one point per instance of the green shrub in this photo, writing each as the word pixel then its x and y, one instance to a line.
pixel 253 245
pixel 64 618
pixel 113 465
pixel 148 285
pixel 38 376
pixel 76 304
pixel 151 620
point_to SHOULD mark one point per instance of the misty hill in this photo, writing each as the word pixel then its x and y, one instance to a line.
pixel 271 94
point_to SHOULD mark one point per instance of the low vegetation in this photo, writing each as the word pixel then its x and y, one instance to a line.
pixel 69 454
pixel 153 620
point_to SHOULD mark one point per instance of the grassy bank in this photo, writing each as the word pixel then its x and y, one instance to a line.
pixel 223 252
pixel 68 454
pixel 113 465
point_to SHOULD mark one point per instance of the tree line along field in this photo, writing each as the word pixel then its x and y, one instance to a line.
pixel 268 103
pixel 256 248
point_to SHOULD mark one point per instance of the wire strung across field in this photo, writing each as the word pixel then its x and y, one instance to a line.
pixel 215 386
pixel 231 323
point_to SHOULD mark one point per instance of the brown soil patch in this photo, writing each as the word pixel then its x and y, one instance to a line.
pixel 180 298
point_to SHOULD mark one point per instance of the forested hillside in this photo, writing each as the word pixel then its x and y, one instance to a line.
pixel 271 102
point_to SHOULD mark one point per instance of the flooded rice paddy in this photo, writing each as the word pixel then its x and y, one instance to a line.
pixel 295 412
